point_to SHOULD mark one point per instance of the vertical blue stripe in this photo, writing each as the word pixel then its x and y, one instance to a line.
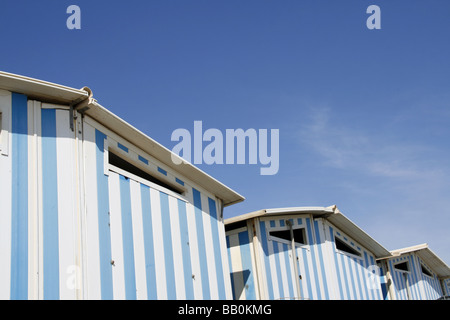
pixel 307 277
pixel 216 246
pixel 351 276
pixel 345 272
pixel 19 198
pixel 231 267
pixel 50 205
pixel 411 281
pixel 357 275
pixel 249 285
pixel 168 248
pixel 201 244
pixel 149 249
pixel 414 284
pixel 322 264
pixel 313 257
pixel 278 268
pixel 336 263
pixel 104 231
pixel 127 239
pixel 265 247
pixel 369 277
pixel 287 262
pixel 185 251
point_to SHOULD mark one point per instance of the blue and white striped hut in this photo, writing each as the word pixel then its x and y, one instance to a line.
pixel 92 208
pixel 415 273
pixel 302 253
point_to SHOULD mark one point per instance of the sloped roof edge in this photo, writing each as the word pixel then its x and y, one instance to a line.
pixel 54 93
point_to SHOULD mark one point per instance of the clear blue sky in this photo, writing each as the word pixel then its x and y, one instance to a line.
pixel 364 115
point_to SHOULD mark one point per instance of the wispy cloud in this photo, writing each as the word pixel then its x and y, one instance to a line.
pixel 344 147
pixel 411 196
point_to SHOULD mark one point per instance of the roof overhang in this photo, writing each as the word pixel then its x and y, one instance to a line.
pixel 41 90
pixel 82 100
pixel 428 256
pixel 332 214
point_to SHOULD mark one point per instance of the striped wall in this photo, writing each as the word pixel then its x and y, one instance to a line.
pixel 39 213
pixel 325 272
pixel 242 268
pixel 358 277
pixel 73 227
pixel 146 242
pixel 413 284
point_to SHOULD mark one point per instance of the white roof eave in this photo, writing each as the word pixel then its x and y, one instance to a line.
pixel 54 93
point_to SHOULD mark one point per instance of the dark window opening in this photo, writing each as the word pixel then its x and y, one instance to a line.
pixel 117 161
pixel 236 225
pixel 402 266
pixel 425 271
pixel 342 246
pixel 299 235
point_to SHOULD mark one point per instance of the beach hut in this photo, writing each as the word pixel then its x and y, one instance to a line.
pixel 92 208
pixel 415 273
pixel 312 253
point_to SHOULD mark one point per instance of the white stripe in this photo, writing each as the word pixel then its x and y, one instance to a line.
pixel 5 200
pixel 138 240
pixel 328 260
pixel 210 254
pixel 176 248
pixel 161 284
pixel 319 267
pixel 293 277
pixel 66 206
pixel 91 215
pixel 193 246
pixel 34 132
pixel 118 271
pixel 304 280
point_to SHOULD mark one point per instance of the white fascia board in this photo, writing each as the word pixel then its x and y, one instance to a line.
pixel 41 90
pixel 155 149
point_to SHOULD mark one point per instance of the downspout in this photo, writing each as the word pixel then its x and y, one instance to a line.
pixel 294 258
pixel 81 105
pixel 77 127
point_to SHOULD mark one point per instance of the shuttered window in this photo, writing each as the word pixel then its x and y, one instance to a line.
pixel 425 271
pixel 402 266
pixel 299 235
pixel 120 163
pixel 342 246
